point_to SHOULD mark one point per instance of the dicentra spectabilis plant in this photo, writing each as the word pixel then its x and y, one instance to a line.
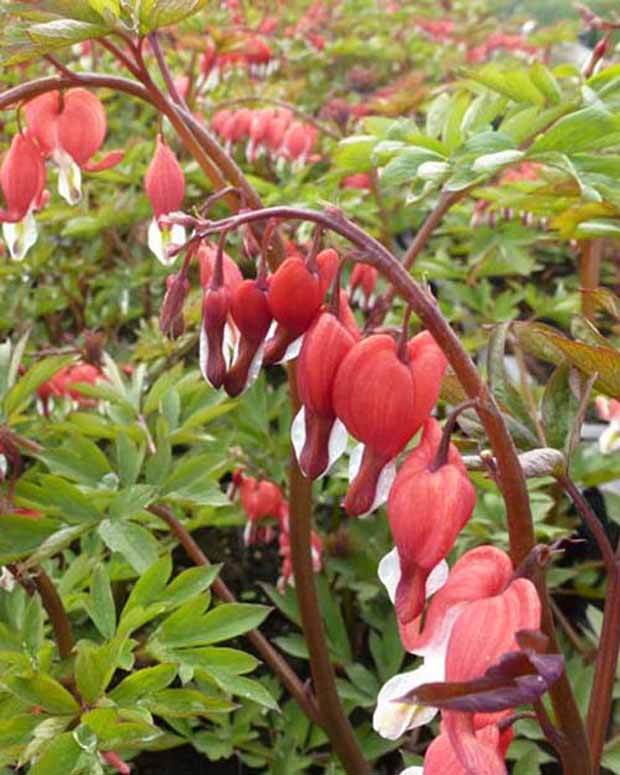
pixel 338 353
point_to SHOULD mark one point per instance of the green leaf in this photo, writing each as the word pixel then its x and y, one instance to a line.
pixel 185 703
pixel 71 504
pixel 129 459
pixel 594 127
pixel 161 13
pixel 95 667
pixel 545 82
pixel 559 406
pixel 20 395
pixel 354 153
pixel 41 689
pixel 333 621
pixel 20 536
pixel 193 479
pixel 244 687
pixel 403 168
pixel 100 605
pixel 510 81
pixel 134 542
pixel 150 586
pixel 189 583
pixel 78 459
pixel 59 758
pixel 188 626
pixel 143 683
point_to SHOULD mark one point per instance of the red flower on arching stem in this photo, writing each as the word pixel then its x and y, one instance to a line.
pixel 22 178
pixel 206 256
pixel 164 184
pixel 295 296
pixel 318 437
pixel 385 418
pixel 427 509
pixel 484 632
pixel 251 314
pixel 70 128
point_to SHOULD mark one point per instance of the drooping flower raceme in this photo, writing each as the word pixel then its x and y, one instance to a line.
pixel 70 128
pixel 22 178
pixel 164 184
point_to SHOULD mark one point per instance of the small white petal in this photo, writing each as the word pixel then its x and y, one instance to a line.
pixel 392 718
pixel 69 177
pixel 292 351
pixel 389 572
pixel 609 440
pixel 20 236
pixel 437 578
pixel 298 432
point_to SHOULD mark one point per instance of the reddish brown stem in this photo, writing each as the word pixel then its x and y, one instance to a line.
pixel 333 717
pixel 589 274
pixel 38 580
pixel 272 657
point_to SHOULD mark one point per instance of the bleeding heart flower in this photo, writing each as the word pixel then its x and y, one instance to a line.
pixel 164 184
pixel 70 127
pixel 362 284
pixel 261 500
pixel 483 632
pixel 171 317
pixel 251 314
pixel 22 178
pixel 427 508
pixel 319 438
pixel 295 296
pixel 383 393
pixel 286 570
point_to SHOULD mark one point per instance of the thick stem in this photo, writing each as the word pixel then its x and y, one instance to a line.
pixel 511 480
pixel 589 274
pixel 276 662
pixel 333 717
pixel 39 581
pixel 601 698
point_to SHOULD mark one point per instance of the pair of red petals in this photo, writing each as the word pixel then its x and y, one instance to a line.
pixel 427 509
pixel 73 121
pixel 383 399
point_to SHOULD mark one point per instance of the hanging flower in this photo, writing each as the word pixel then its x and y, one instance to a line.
pixel 70 128
pixel 164 184
pixel 22 178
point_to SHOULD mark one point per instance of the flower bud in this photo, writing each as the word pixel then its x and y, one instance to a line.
pixel 250 312
pixel 362 284
pixel 164 182
pixel 171 316
pixel 213 356
pixel 206 260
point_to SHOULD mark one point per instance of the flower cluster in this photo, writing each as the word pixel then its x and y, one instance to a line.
pixel 267 512
pixel 251 54
pixel 471 630
pixel 267 131
pixel 64 384
pixel 68 128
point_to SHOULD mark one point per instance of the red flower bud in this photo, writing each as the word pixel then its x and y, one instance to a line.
pixel 22 177
pixel 171 316
pixel 213 357
pixel 164 181
pixel 250 311
pixel 295 297
pixel 427 510
pixel 324 347
pixel 363 282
